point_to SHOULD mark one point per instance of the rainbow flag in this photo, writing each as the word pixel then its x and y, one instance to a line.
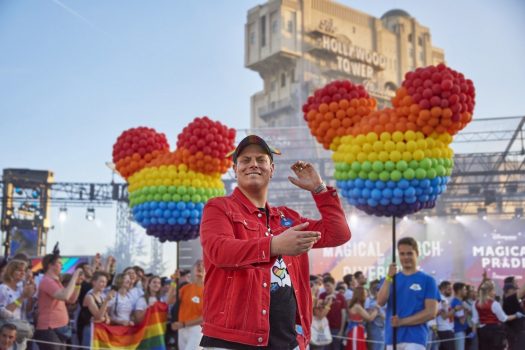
pixel 147 335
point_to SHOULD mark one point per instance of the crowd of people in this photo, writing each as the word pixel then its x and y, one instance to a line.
pixel 347 315
pixel 50 310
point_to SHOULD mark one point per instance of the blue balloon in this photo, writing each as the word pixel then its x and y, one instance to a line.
pixel 356 193
pixel 403 184
pixel 161 220
pixel 387 193
pixel 414 182
pixel 411 199
pixel 158 212
pixel 398 193
pixel 167 213
pixel 181 221
pixel 359 183
pixel 171 205
pixel 190 205
pixel 397 200
pixel 163 205
pixel 153 205
pixel 369 184
pixel 372 202
pixel 181 205
pixel 376 195
pixel 194 221
pixel 365 193
pixel 391 184
pixel 153 221
pixel 384 201
pixel 424 183
pixel 172 221
pixel 380 184
pixel 199 206
pixel 410 192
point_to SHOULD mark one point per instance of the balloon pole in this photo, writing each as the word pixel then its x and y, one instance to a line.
pixel 394 308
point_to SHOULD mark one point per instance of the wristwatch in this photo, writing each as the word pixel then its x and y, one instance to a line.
pixel 320 188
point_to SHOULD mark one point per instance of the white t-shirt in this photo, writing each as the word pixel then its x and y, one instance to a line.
pixel 8 296
pixel 142 305
pixel 135 294
pixel 348 294
pixel 120 307
pixel 444 324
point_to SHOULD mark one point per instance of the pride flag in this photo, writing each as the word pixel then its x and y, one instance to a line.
pixel 147 335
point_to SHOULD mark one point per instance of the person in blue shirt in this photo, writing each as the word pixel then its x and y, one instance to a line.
pixel 417 299
pixel 460 317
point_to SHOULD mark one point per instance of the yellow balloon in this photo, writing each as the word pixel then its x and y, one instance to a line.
pixel 411 146
pixel 367 148
pixel 410 135
pixel 421 144
pixel 383 156
pixel 419 135
pixel 372 137
pixel 385 136
pixel 400 146
pixel 361 157
pixel 407 156
pixel 373 156
pixel 395 156
pixel 378 146
pixel 390 146
pixel 360 139
pixel 398 136
pixel 418 155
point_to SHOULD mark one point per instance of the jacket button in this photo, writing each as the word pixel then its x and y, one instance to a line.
pixel 259 215
pixel 265 285
pixel 259 339
pixel 264 312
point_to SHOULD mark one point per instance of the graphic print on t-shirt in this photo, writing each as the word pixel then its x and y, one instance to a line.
pixel 280 277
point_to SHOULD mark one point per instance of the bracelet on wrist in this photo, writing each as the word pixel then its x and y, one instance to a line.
pixel 320 188
pixel 17 302
pixel 389 278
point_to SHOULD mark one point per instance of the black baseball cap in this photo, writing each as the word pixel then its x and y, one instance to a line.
pixel 253 140
pixel 508 286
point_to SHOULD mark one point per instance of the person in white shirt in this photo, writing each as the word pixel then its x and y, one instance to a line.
pixel 445 317
pixel 121 307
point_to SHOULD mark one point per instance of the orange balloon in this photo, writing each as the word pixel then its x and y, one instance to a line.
pixel 328 116
pixel 344 104
pixel 340 114
pixel 436 112
pixel 424 114
pixel 323 108
pixel 334 106
pixel 335 123
pixel 350 111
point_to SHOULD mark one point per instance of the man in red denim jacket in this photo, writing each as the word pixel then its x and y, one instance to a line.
pixel 256 292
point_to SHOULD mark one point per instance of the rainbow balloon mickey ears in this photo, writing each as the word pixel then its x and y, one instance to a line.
pixel 395 161
pixel 168 190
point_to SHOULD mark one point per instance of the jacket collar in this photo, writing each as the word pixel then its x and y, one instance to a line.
pixel 239 196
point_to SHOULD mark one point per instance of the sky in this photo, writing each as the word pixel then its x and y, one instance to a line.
pixel 75 74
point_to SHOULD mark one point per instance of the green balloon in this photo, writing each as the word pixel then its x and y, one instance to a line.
pixel 346 167
pixel 373 176
pixel 440 170
pixel 434 162
pixel 421 173
pixel 367 166
pixel 431 173
pixel 338 166
pixel 176 197
pixel 186 198
pixel 377 166
pixel 390 165
pixel 401 165
pixel 162 189
pixel 449 171
pixel 181 190
pixel 196 198
pixel 413 164
pixel 191 190
pixel 425 163
pixel 150 197
pixel 166 197
pixel 356 166
pixel 384 176
pixel 352 175
pixel 172 189
pixel 409 174
pixel 157 197
pixel 395 175
pixel 363 174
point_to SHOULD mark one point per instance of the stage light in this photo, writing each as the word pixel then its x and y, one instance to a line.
pixel 426 218
pixel 62 214
pixel 405 218
pixel 518 213
pixel 354 218
pixel 482 213
pixel 90 214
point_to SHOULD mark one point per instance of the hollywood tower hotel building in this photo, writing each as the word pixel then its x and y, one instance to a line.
pixel 298 46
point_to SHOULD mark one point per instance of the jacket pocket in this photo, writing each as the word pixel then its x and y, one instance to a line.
pixel 244 225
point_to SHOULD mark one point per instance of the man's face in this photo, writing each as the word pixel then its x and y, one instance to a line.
pixel 7 338
pixel 198 269
pixel 407 256
pixel 254 168
pixel 88 271
pixel 57 266
pixel 462 292
pixel 447 290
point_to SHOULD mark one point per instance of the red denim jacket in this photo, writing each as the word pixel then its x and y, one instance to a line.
pixel 236 249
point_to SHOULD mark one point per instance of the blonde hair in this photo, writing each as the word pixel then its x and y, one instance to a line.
pixel 484 290
pixel 11 267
